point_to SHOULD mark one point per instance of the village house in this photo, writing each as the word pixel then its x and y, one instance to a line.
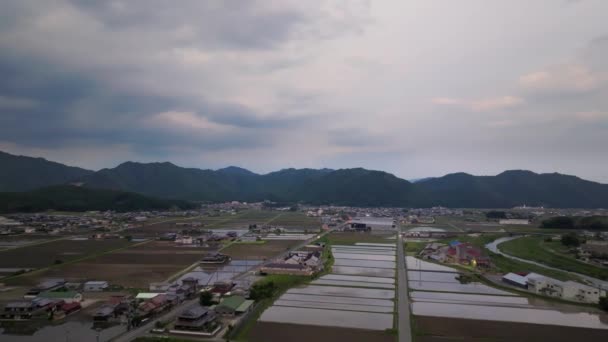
pixel 231 306
pixel 195 318
pixel 159 287
pixel 66 296
pixel 20 310
pixel 95 286
pixel 465 253
pixel 568 290
pixel 222 287
pixel 47 285
pixel 154 305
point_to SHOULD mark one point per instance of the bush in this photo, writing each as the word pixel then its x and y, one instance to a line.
pixel 263 290
pixel 570 240
pixel 604 303
pixel 206 298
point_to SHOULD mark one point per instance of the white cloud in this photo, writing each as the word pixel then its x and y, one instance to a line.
pixel 592 116
pixel 563 78
pixel 187 121
pixel 481 105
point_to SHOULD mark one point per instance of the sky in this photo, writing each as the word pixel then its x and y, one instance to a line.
pixel 417 88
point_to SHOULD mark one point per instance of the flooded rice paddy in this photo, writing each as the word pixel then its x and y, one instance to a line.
pixel 209 274
pixel 343 291
pixel 337 299
pixel 334 306
pixel 355 251
pixel 353 283
pixel 509 314
pixel 439 294
pixel 365 263
pixel 360 256
pixel 455 287
pixel 364 271
pixel 358 293
pixel 332 318
pixel 358 278
pixel 414 264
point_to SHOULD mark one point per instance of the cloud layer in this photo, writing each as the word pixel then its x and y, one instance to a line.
pixel 418 88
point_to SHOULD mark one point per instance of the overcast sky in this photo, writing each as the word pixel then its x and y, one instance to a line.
pixel 417 88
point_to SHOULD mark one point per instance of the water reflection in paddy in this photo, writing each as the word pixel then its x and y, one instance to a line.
pixel 414 264
pixel 365 263
pixel 208 274
pixel 370 244
pixel 432 276
pixel 352 283
pixel 455 287
pixel 358 278
pixel 332 318
pixel 337 299
pixel 344 292
pixel 353 251
pixel 334 306
pixel 364 271
pixel 366 248
pixel 511 314
pixel 461 298
pixel 363 256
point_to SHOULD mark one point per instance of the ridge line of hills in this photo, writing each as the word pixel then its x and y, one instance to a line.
pixel 354 187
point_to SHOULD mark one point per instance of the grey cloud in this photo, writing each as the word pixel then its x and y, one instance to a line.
pixel 211 24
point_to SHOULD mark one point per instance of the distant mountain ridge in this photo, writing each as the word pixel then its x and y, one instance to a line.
pixel 74 198
pixel 354 187
pixel 21 173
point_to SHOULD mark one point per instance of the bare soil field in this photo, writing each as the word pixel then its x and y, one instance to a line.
pixel 135 266
pixel 433 329
pixel 296 220
pixel 259 251
pixel 46 254
pixel 128 275
pixel 271 332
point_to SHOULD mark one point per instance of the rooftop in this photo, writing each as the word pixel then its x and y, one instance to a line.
pixel 233 302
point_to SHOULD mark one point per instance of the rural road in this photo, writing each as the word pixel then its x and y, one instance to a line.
pixel 171 315
pixel 404 326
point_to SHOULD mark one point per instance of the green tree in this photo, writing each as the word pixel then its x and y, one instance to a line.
pixel 570 240
pixel 206 298
pixel 263 290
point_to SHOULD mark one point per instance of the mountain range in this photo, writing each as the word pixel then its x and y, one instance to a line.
pixel 355 187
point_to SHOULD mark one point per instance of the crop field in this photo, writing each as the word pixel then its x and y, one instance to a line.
pixel 135 266
pixel 296 220
pixel 47 254
pixel 241 220
pixel 259 251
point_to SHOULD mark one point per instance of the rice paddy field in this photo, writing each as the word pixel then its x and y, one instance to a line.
pixel 355 300
pixel 266 250
pixel 438 296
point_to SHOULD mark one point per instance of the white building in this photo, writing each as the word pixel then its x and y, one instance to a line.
pixel 568 290
pixel 92 286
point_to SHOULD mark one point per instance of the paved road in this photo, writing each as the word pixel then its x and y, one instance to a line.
pixel 404 326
